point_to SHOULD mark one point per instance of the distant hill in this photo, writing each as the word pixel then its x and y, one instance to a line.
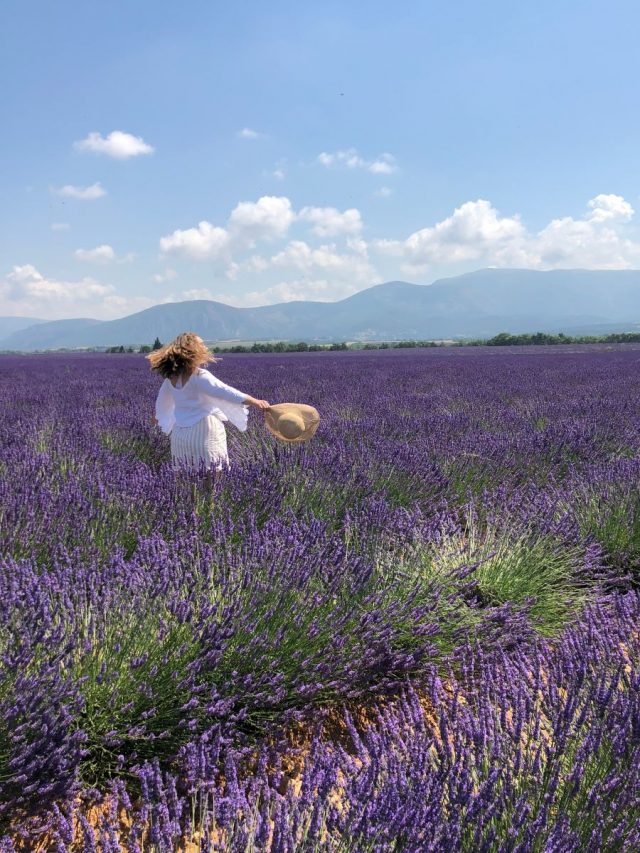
pixel 10 325
pixel 477 305
pixel 49 335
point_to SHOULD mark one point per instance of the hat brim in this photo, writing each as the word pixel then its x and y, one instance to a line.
pixel 308 414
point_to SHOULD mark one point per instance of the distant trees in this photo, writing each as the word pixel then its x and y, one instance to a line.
pixel 503 339
pixel 413 344
pixel 402 345
pixel 144 348
pixel 537 339
pixel 280 346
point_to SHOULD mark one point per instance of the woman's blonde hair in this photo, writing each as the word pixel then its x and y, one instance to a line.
pixel 181 357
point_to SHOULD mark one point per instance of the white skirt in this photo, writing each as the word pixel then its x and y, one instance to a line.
pixel 203 445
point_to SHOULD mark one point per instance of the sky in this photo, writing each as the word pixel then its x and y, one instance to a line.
pixel 256 153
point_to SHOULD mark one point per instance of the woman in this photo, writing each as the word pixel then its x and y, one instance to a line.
pixel 192 404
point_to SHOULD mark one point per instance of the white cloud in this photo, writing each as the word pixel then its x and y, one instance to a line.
pixel 248 133
pixel 322 272
pixel 60 226
pixel 342 266
pixel 383 192
pixel 473 230
pixel 352 265
pixel 279 172
pixel 475 234
pixel 25 288
pixel 330 222
pixel 168 275
pixel 569 243
pixel 116 305
pixel 385 164
pixel 358 245
pixel 611 206
pixel 596 241
pixel 476 231
pixel 269 218
pixel 266 220
pixel 341 270
pixel 198 293
pixel 204 242
pixel 100 255
pixel 316 289
pixel 85 193
pixel 253 264
pixel 119 145
pixel 25 291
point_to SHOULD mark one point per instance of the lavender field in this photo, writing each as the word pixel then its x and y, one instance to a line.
pixel 417 632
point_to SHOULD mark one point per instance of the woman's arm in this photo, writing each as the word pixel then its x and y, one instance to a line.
pixel 214 387
pixel 259 404
pixel 165 408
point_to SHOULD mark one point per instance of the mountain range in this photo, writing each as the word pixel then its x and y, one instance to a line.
pixel 9 325
pixel 474 305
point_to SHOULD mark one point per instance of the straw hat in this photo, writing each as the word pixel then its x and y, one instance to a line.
pixel 292 422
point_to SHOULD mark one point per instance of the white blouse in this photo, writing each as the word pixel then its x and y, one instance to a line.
pixel 201 395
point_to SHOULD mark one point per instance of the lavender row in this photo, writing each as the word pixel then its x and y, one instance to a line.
pixel 533 751
pixel 144 612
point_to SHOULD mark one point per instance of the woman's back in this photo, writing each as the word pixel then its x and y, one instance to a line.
pixel 200 395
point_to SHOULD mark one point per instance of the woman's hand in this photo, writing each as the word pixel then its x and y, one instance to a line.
pixel 259 404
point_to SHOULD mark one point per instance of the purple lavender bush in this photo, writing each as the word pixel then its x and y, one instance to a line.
pixel 457 546
pixel 535 750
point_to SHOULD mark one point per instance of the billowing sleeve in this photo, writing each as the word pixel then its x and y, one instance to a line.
pixel 165 407
pixel 214 387
pixel 227 400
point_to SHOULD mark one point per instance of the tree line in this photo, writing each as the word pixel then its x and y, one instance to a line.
pixel 504 339
pixel 144 348
pixel 278 346
pixel 501 340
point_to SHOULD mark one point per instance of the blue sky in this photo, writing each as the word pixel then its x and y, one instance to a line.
pixel 259 152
